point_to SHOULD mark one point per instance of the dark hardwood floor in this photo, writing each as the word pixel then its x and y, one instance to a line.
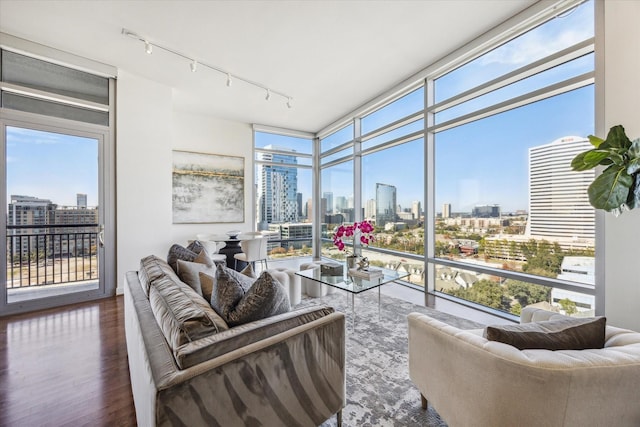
pixel 66 367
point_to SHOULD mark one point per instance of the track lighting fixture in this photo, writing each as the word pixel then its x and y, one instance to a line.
pixel 194 64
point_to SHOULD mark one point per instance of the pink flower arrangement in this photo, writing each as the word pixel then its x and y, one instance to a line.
pixel 364 228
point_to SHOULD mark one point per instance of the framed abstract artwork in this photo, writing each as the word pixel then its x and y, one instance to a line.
pixel 207 188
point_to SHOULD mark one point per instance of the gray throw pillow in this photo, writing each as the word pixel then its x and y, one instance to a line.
pixel 239 304
pixel 230 287
pixel 190 253
pixel 561 334
pixel 177 252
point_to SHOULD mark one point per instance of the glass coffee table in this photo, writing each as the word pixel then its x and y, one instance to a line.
pixel 353 285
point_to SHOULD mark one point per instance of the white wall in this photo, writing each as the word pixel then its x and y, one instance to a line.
pixel 147 131
pixel 622 106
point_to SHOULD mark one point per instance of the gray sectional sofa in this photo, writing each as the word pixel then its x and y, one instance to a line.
pixel 188 368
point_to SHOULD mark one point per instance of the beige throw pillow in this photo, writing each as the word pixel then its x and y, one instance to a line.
pixel 188 271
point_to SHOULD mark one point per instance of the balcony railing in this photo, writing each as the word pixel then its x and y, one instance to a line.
pixel 40 255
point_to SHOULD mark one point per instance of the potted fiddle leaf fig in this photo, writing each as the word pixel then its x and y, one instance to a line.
pixel 617 188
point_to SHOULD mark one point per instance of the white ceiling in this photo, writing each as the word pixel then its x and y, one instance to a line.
pixel 330 56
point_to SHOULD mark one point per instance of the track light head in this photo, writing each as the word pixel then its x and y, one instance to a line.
pixel 268 97
pixel 289 103
pixel 229 81
pixel 148 47
pixel 194 66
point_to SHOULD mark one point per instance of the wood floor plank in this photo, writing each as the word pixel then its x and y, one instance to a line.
pixel 66 366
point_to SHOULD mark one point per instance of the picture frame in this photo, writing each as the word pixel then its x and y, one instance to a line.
pixel 207 188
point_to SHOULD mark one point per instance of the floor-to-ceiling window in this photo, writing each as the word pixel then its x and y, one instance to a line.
pixel 283 190
pixel 471 164
pixel 373 169
pixel 57 181
pixel 512 221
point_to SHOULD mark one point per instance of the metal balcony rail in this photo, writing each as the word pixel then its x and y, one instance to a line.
pixel 41 255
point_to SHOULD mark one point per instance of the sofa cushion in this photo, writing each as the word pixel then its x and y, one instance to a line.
pixel 239 299
pixel 189 271
pixel 151 269
pixel 558 334
pixel 182 314
pixel 190 253
pixel 216 345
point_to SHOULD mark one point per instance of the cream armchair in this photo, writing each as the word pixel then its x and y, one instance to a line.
pixel 471 381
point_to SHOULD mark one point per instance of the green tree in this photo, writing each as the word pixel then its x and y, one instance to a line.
pixel 516 309
pixel 527 293
pixel 542 256
pixel 485 292
pixel 568 306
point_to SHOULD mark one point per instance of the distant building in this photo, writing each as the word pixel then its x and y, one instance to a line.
pixel 558 199
pixel 294 231
pixel 446 210
pixel 277 187
pixel 23 211
pixel 299 200
pixel 328 196
pixel 341 204
pixel 405 216
pixel 385 204
pixel 486 211
pixel 576 269
pixel 370 209
pixel 81 200
pixel 48 220
pixel 416 209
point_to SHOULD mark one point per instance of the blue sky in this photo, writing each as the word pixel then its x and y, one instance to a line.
pixel 51 166
pixel 484 162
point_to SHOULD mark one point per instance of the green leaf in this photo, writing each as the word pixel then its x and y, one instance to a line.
pixel 578 163
pixel 595 141
pixel 610 189
pixel 593 158
pixel 616 138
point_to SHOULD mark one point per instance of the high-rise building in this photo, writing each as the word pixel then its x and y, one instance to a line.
pixel 416 209
pixel 446 210
pixel 328 195
pixel 277 188
pixel 370 209
pixel 341 203
pixel 385 204
pixel 299 201
pixel 27 210
pixel 558 199
pixel 81 200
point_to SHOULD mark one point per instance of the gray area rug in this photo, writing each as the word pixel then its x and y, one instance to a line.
pixel 379 391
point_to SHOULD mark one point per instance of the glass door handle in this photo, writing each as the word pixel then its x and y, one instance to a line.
pixel 101 235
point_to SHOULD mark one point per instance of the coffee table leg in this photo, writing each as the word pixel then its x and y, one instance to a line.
pixel 353 311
